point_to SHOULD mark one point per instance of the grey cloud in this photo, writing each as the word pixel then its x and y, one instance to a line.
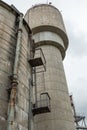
pixel 77 44
pixel 80 93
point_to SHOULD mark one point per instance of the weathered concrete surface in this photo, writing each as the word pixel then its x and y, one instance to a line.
pixel 49 34
pixel 8 37
pixel 60 117
pixel 46 17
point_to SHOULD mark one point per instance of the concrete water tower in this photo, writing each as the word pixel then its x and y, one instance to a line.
pixel 50 35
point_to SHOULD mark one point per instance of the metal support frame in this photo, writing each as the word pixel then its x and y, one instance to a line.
pixel 35 84
pixel 38 61
pixel 81 123
pixel 44 64
pixel 81 128
pixel 43 105
pixel 79 120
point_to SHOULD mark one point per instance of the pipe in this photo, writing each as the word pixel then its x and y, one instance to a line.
pixel 30 105
pixel 19 37
pixel 31 80
pixel 35 85
pixel 14 80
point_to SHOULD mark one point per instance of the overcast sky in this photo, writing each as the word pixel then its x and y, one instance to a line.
pixel 75 17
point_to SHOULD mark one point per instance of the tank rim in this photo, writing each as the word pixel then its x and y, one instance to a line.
pixel 37 5
pixel 57 30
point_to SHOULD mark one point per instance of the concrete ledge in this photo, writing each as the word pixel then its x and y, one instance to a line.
pixel 50 38
pixel 52 43
pixel 54 29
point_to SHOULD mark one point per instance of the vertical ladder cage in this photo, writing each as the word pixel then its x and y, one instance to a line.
pixel 79 119
pixel 38 64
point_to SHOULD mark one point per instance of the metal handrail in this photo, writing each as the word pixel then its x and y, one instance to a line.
pixel 41 101
pixel 41 53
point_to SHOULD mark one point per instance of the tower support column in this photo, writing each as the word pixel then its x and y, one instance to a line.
pixel 50 35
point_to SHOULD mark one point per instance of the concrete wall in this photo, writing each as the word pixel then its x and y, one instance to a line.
pixel 50 35
pixel 60 117
pixel 8 37
pixel 46 17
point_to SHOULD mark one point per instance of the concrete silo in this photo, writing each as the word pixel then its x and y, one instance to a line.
pixel 50 35
pixel 14 69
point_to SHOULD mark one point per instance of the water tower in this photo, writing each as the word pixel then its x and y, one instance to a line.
pixel 50 36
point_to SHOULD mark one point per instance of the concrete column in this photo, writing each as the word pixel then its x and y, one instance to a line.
pixel 50 35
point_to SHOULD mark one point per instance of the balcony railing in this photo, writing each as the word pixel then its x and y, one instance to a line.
pixel 38 61
pixel 43 105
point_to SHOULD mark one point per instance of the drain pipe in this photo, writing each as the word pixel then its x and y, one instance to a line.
pixel 14 79
pixel 30 105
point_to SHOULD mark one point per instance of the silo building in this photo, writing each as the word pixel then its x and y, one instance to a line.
pixel 33 88
pixel 15 70
pixel 49 34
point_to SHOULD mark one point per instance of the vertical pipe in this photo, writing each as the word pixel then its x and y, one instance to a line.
pixel 30 84
pixel 35 83
pixel 30 105
pixel 14 82
pixel 19 38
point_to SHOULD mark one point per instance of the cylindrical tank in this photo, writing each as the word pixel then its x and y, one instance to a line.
pixel 50 35
pixel 9 18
